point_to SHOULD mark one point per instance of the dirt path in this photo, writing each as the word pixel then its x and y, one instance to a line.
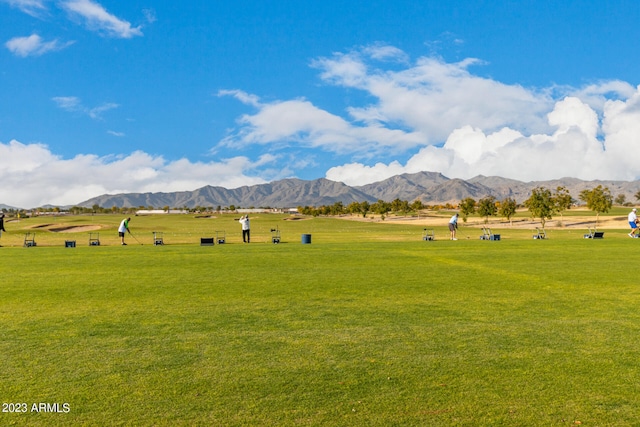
pixel 567 222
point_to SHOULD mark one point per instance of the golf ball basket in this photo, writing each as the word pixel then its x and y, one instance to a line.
pixel 275 236
pixel 540 234
pixel 428 234
pixel 29 240
pixel 488 235
pixel 94 239
pixel 594 234
pixel 158 238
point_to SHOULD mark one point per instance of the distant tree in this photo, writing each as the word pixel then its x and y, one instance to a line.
pixel 400 206
pixel 487 207
pixel 598 200
pixel 467 207
pixel 353 208
pixel 365 207
pixel 381 207
pixel 337 209
pixel 508 208
pixel 562 200
pixel 308 210
pixel 621 199
pixel 540 204
pixel 417 205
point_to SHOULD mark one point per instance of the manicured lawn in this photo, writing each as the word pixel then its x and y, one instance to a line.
pixel 368 325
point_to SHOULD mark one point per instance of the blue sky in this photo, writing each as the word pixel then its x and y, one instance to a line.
pixel 109 96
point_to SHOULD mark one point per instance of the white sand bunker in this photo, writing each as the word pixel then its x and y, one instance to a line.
pixel 74 228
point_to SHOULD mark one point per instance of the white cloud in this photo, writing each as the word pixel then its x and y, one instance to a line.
pixel 360 174
pixel 98 19
pixel 382 52
pixel 150 15
pixel 69 103
pixel 33 45
pixel 96 112
pixel 25 167
pixel 444 118
pixel 434 97
pixel 417 106
pixel 74 104
pixel 343 69
pixel 573 149
pixel 299 122
pixel 242 96
pixel 35 8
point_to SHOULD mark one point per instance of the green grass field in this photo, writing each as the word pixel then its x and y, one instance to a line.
pixel 367 326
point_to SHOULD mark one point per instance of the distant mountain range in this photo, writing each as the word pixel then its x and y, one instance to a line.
pixel 430 187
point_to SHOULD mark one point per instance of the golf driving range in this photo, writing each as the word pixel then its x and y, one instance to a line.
pixel 367 325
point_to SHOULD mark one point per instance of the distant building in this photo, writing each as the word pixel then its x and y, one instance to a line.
pixel 259 210
pixel 160 211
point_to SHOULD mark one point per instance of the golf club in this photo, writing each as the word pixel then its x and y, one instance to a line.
pixel 136 239
pixel 460 234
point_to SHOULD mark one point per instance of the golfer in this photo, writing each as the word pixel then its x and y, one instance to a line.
pixel 633 222
pixel 124 228
pixel 1 224
pixel 246 234
pixel 453 226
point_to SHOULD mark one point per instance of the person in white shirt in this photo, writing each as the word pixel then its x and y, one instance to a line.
pixel 633 222
pixel 124 227
pixel 453 226
pixel 246 233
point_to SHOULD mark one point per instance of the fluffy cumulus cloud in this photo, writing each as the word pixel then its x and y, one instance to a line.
pixel 445 118
pixel 34 176
pixel 299 122
pixel 583 144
